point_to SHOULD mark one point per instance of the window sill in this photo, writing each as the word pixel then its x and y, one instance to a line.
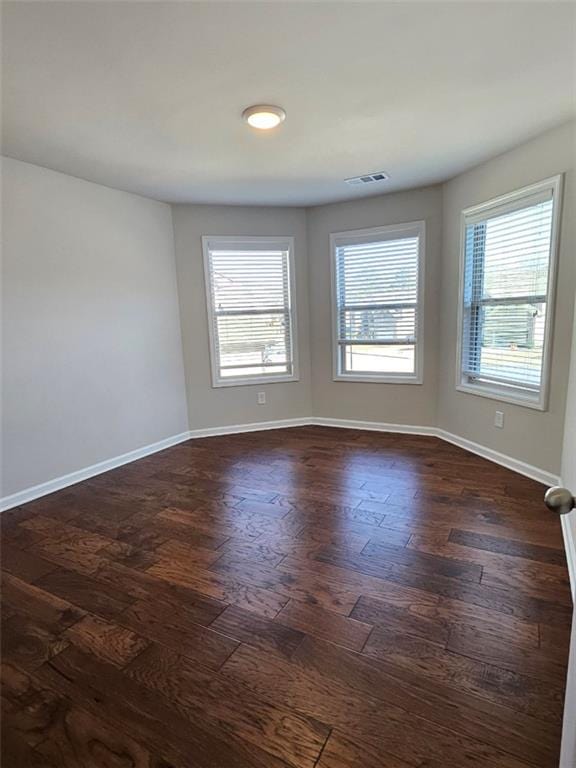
pixel 254 381
pixel 375 379
pixel 503 396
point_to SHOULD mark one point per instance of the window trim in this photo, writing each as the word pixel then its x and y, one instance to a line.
pixel 257 242
pixel 388 232
pixel 505 203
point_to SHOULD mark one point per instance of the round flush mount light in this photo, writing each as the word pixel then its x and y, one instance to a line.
pixel 264 116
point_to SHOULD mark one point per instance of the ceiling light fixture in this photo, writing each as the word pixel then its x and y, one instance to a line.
pixel 264 116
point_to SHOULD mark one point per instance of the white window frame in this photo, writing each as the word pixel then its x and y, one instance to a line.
pixel 258 242
pixel 510 202
pixel 389 232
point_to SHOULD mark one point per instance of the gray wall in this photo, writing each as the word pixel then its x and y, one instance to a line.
pixel 391 403
pixel 92 357
pixel 529 435
pixel 94 331
pixel 207 406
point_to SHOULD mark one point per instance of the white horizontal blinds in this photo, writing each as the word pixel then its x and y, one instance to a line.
pixel 377 295
pixel 251 311
pixel 507 261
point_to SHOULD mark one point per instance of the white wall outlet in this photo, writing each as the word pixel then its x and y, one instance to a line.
pixel 261 398
pixel 499 419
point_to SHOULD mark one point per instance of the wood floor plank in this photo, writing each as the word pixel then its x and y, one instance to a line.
pixel 187 553
pixel 28 643
pixel 321 592
pixel 531 739
pixel 532 533
pixel 518 691
pixel 501 570
pixel 386 727
pixel 318 622
pixel 485 647
pixel 342 752
pixel 76 738
pixel 24 565
pixel 381 614
pixel 142 585
pixel 435 621
pixel 257 631
pixel 507 546
pixel 522 606
pixel 85 592
pixel 17 754
pixel 28 707
pixel 65 540
pixel 146 718
pixel 128 555
pixel 554 587
pixel 355 581
pixel 106 640
pixel 422 562
pixel 211 698
pixel 293 598
pixel 178 631
pixel 52 732
pixel 221 586
pixel 258 551
pixel 39 603
pixel 555 640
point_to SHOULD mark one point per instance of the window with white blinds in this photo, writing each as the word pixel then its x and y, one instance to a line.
pixel 509 252
pixel 377 300
pixel 249 285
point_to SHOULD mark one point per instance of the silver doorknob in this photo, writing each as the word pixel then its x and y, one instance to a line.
pixel 559 500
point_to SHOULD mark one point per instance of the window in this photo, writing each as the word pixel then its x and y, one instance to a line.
pixel 377 277
pixel 251 318
pixel 508 264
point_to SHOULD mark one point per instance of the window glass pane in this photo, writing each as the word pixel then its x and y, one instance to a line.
pixel 249 279
pixel 379 273
pixel 379 324
pixel 513 342
pixel 252 339
pixel 367 358
pixel 507 264
pixel 255 371
pixel 517 252
pixel 251 312
pixel 377 303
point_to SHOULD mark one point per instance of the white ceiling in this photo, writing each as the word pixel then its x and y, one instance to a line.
pixel 147 97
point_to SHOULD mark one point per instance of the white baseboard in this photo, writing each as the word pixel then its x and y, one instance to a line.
pixel 255 426
pixel 58 483
pixel 373 426
pixel 569 533
pixel 528 470
pixel 29 494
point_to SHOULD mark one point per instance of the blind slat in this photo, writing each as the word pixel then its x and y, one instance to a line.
pixel 252 316
pixel 506 267
pixel 377 295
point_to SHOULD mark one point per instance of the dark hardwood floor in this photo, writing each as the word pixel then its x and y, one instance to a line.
pixel 301 597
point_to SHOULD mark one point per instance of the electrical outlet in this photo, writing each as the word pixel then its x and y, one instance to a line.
pixel 499 419
pixel 261 398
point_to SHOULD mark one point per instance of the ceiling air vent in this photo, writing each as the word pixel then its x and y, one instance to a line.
pixel 367 178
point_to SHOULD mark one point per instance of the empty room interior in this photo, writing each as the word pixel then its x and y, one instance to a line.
pixel 288 384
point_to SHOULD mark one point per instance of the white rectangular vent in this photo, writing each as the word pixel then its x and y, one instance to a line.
pixel 367 178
